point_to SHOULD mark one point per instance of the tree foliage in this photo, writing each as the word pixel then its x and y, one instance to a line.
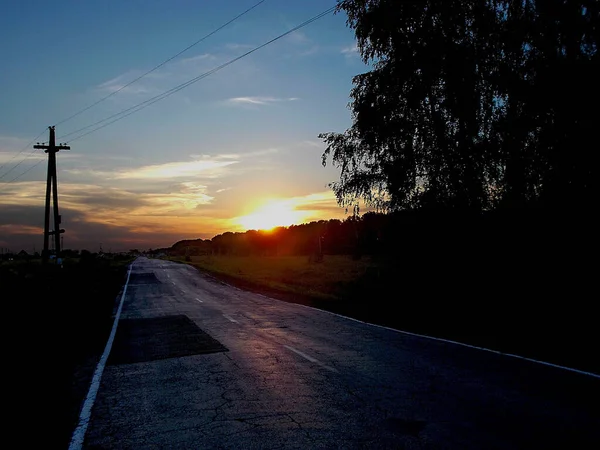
pixel 473 104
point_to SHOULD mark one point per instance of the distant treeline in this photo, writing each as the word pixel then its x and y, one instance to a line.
pixel 324 236
pixel 414 234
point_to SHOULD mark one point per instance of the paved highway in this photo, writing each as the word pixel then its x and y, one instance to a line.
pixel 199 364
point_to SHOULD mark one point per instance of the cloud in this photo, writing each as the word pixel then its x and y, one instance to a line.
pixel 122 218
pixel 102 204
pixel 119 82
pixel 15 149
pixel 79 196
pixel 197 58
pixel 316 201
pixel 350 51
pixel 156 177
pixel 236 46
pixel 201 166
pixel 15 157
pixel 118 235
pixel 118 217
pixel 259 100
pixel 13 144
pixel 160 79
pixel 238 156
pixel 176 169
pixel 298 38
pixel 288 211
pixel 190 196
pixel 20 229
pixel 315 144
pixel 22 193
pixel 310 51
pixel 302 45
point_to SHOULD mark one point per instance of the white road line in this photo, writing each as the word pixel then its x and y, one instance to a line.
pixel 310 358
pixel 462 344
pixel 229 318
pixel 198 300
pixel 173 283
pixel 433 338
pixel 86 411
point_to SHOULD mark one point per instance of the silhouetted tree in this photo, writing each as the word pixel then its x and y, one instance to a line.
pixel 471 103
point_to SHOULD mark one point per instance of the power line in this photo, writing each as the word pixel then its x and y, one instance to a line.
pixel 24 172
pixel 110 95
pixel 126 112
pixel 133 109
pixel 21 151
pixel 161 64
pixel 19 163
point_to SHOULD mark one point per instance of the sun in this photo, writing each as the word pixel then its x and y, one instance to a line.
pixel 274 213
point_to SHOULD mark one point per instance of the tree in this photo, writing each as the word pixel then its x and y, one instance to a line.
pixel 471 103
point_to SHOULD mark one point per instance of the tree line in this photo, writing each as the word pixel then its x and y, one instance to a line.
pixel 315 238
pixel 402 235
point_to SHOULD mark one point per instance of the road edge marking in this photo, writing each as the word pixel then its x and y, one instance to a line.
pixel 448 341
pixel 86 411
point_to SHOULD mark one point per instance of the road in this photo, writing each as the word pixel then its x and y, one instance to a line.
pixel 199 364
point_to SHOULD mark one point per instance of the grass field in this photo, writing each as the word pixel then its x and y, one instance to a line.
pixel 57 323
pixel 330 279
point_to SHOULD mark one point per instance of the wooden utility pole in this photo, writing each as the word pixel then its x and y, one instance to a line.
pixel 51 184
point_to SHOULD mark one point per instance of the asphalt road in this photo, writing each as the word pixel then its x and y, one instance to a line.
pixel 199 364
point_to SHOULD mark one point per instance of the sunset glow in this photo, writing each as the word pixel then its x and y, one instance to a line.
pixel 232 151
pixel 275 213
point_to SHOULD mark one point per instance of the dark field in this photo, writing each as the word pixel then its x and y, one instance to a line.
pixel 57 322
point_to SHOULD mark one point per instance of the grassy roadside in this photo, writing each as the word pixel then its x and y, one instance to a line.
pixel 478 304
pixel 329 280
pixel 63 318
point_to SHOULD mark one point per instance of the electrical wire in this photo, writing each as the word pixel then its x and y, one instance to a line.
pixel 24 172
pixel 121 88
pixel 133 109
pixel 128 111
pixel 161 64
pixel 21 151
pixel 20 162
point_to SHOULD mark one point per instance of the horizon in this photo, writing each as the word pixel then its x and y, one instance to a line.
pixel 237 150
pixel 35 249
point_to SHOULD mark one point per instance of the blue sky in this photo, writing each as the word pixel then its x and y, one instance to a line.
pixel 235 147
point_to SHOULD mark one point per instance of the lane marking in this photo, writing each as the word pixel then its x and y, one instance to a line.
pixel 462 344
pixel 305 356
pixel 310 358
pixel 86 411
pixel 448 341
pixel 229 318
pixel 198 300
pixel 173 283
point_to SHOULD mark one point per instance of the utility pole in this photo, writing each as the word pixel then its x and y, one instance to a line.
pixel 51 184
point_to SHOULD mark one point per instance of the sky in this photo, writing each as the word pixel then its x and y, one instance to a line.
pixel 236 150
